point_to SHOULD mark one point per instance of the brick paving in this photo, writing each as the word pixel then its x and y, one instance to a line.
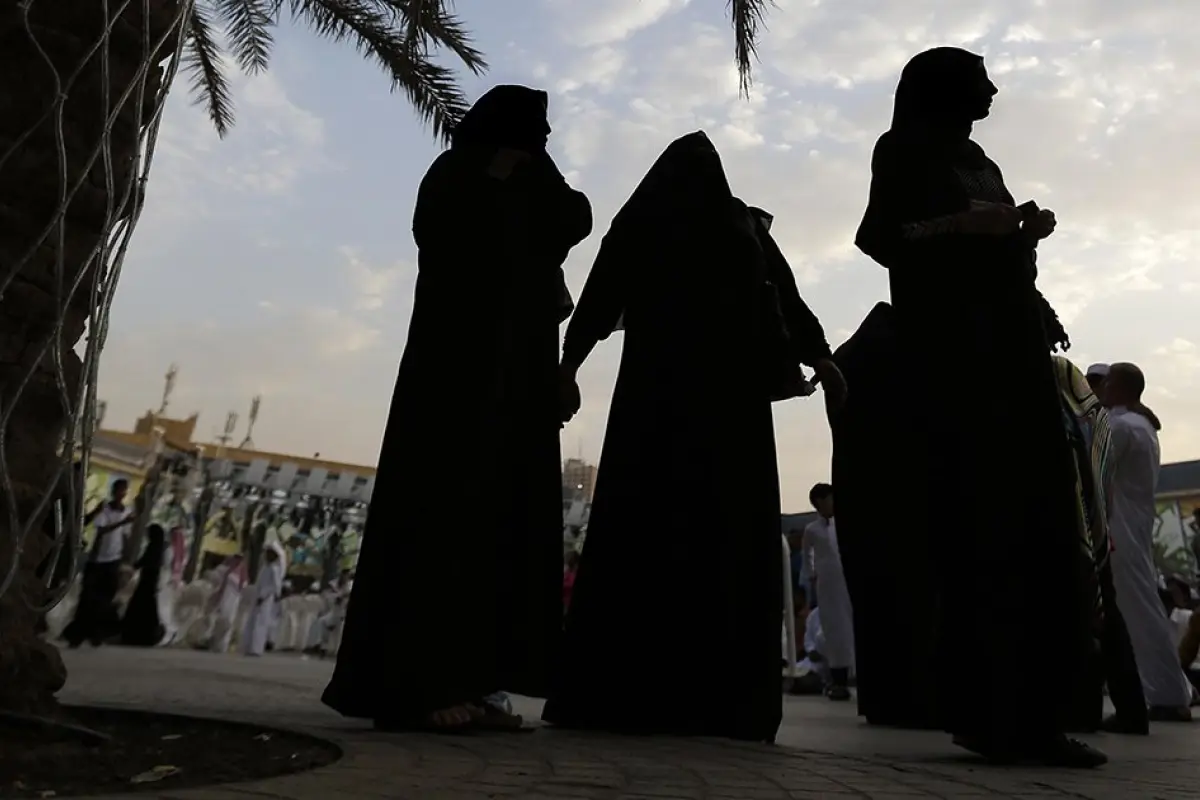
pixel 823 751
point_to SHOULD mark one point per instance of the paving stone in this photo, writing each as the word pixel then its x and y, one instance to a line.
pixel 823 751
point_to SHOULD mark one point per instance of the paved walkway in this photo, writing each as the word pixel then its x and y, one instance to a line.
pixel 823 753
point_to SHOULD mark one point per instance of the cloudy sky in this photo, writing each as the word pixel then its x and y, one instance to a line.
pixel 280 262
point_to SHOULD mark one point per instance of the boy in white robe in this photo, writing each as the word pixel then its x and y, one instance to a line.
pixel 230 579
pixel 1136 461
pixel 267 591
pixel 318 634
pixel 278 633
pixel 833 596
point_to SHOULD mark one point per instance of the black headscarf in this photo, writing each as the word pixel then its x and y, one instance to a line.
pixel 506 116
pixel 685 184
pixel 937 99
pixel 686 178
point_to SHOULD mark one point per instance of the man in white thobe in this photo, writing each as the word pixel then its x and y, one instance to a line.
pixel 833 596
pixel 267 591
pixel 1135 465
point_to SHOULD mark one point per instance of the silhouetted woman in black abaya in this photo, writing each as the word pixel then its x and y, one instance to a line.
pixel 443 615
pixel 683 544
pixel 141 627
pixel 882 531
pixel 1019 603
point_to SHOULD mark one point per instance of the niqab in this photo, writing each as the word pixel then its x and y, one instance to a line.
pixel 686 178
pixel 685 184
pixel 506 116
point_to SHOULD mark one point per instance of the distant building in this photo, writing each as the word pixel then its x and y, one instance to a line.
pixel 126 451
pixel 579 479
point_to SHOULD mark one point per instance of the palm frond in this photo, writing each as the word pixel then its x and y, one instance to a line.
pixel 429 25
pixel 202 64
pixel 747 17
pixel 248 25
pixel 371 26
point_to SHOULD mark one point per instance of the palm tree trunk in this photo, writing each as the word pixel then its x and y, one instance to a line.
pixel 69 117
pixel 200 520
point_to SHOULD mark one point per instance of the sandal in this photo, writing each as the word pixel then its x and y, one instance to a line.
pixel 431 723
pixel 496 719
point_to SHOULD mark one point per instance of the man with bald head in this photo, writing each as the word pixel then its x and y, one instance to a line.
pixel 1135 459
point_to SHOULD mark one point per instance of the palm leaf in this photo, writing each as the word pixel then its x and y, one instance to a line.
pixel 428 24
pixel 372 27
pixel 400 35
pixel 202 63
pixel 248 25
pixel 747 16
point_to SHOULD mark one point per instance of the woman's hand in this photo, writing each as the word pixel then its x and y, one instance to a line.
pixel 1040 225
pixel 569 398
pixel 990 219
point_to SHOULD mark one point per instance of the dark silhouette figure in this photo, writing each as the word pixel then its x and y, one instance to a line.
pixel 883 539
pixel 699 285
pixel 1012 552
pixel 141 627
pixel 442 615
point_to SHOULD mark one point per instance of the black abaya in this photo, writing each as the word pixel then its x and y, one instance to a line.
pixel 141 626
pixel 683 545
pixel 444 613
pixel 878 472
pixel 1018 620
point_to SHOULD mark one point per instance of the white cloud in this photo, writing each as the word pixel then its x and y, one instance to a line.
pixel 372 284
pixel 590 24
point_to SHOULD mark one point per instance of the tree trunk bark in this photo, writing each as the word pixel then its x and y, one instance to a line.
pixel 200 520
pixel 50 87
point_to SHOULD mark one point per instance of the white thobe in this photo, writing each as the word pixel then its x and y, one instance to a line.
pixel 837 614
pixel 814 643
pixel 228 600
pixel 167 592
pixel 319 632
pixel 262 617
pixel 1135 460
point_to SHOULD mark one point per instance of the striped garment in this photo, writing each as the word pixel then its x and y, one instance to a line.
pixel 1090 435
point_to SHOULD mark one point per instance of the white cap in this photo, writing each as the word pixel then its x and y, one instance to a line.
pixel 1098 369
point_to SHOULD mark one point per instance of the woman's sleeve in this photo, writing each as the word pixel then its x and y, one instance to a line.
pixel 806 336
pixel 902 219
pixel 569 210
pixel 453 205
pixel 573 213
pixel 602 301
